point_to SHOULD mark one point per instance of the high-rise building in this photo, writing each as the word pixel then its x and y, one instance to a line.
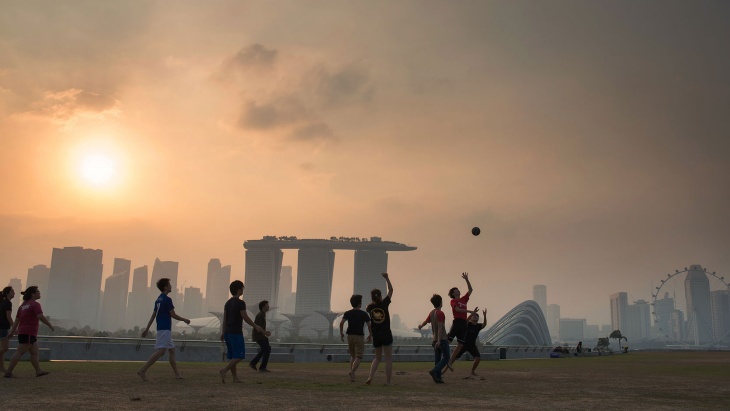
pixel 314 280
pixel 572 329
pixel 38 276
pixel 539 295
pixel 286 294
pixel 116 290
pixel 369 268
pixel 263 267
pixel 217 286
pixel 678 325
pixel 721 314
pixel 553 321
pixel 193 302
pixel 619 305
pixel 166 269
pixel 140 303
pixel 699 308
pixel 74 285
pixel 638 321
pixel 17 285
pixel 664 308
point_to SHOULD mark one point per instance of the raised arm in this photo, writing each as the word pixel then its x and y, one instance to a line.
pixel 390 286
pixel 465 276
pixel 484 323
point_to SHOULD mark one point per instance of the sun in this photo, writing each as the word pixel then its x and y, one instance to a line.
pixel 98 169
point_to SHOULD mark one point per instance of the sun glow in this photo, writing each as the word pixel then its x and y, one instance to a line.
pixel 98 169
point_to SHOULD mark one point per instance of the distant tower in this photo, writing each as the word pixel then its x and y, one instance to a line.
pixel 217 286
pixel 539 294
pixel 263 266
pixel 74 285
pixel 194 303
pixel 638 320
pixel 553 321
pixel 721 314
pixel 314 280
pixel 139 308
pixel 165 269
pixel 18 285
pixel 619 305
pixel 116 290
pixel 38 275
pixel 369 267
pixel 699 308
pixel 286 296
pixel 663 309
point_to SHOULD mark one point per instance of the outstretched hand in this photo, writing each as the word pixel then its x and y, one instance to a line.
pixel 485 313
pixel 385 275
pixel 465 276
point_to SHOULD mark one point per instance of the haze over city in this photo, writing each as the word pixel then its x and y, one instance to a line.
pixel 588 140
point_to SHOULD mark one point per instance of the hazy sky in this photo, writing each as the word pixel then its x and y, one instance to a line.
pixel 588 139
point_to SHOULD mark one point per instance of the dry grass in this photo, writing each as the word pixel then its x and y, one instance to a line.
pixel 650 380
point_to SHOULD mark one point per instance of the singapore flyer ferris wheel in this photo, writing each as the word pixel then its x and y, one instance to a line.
pixel 692 307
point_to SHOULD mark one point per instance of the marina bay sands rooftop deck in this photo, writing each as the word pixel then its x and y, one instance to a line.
pixel 334 243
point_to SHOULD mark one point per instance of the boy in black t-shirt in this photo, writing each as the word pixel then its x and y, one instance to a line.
pixel 382 336
pixel 472 332
pixel 356 320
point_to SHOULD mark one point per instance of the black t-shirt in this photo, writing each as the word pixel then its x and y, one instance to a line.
pixel 6 306
pixel 472 332
pixel 379 316
pixel 356 319
pixel 234 320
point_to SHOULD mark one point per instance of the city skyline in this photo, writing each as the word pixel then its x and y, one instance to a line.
pixel 587 140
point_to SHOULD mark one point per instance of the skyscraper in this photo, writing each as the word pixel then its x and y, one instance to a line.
pixel 166 269
pixel 217 286
pixel 263 266
pixel 553 321
pixel 539 294
pixel 193 302
pixel 572 329
pixel 74 285
pixel 664 308
pixel 139 308
pixel 286 295
pixel 116 290
pixel 17 285
pixel 699 308
pixel 38 276
pixel 314 280
pixel 721 314
pixel 619 305
pixel 369 267
pixel 638 321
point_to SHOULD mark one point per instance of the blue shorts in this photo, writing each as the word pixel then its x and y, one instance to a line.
pixel 235 346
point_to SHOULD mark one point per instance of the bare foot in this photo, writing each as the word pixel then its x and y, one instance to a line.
pixel 142 375
pixel 179 377
pixel 42 373
pixel 474 374
pixel 368 381
pixel 237 381
pixel 352 376
pixel 223 376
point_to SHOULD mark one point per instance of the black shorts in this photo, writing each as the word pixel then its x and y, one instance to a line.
pixel 471 349
pixel 458 330
pixel 382 339
pixel 26 339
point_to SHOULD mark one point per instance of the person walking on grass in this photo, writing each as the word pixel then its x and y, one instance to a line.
pixel 6 321
pixel 26 324
pixel 163 312
pixel 382 335
pixel 261 339
pixel 440 343
pixel 234 314
pixel 356 320
pixel 470 345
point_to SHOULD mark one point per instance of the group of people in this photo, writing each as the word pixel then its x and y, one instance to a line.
pixel 376 316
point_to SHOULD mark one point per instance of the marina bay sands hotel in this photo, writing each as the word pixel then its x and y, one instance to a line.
pixel 316 261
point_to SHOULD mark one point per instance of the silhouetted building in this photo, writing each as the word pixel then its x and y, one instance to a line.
pixel 553 321
pixel 721 314
pixel 314 280
pixel 539 294
pixel 369 268
pixel 619 305
pixel 699 308
pixel 263 267
pixel 194 303
pixel 116 290
pixel 663 309
pixel 287 300
pixel 638 321
pixel 38 276
pixel 165 269
pixel 140 302
pixel 572 329
pixel 217 286
pixel 17 285
pixel 74 285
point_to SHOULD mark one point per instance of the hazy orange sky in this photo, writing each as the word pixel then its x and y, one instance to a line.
pixel 589 140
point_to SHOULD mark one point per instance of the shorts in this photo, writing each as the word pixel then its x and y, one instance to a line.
pixel 382 339
pixel 235 346
pixel 4 332
pixel 164 340
pixel 458 330
pixel 356 345
pixel 471 349
pixel 27 339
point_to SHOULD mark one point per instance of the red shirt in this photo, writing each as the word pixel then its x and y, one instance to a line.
pixel 461 303
pixel 28 317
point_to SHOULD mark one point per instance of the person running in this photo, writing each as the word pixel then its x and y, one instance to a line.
pixel 163 312
pixel 356 320
pixel 440 343
pixel 460 313
pixel 6 321
pixel 261 339
pixel 26 324
pixel 470 344
pixel 382 336
pixel 234 314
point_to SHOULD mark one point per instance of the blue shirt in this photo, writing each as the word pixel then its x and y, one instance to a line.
pixel 163 306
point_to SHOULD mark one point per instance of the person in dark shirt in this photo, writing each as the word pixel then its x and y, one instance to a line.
pixel 356 320
pixel 6 321
pixel 163 313
pixel 234 314
pixel 261 339
pixel 382 336
pixel 472 333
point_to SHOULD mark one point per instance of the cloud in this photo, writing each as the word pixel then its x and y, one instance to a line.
pixel 68 106
pixel 255 57
pixel 272 115
pixel 349 84
pixel 315 131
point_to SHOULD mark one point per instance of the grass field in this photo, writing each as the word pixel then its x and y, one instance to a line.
pixel 639 380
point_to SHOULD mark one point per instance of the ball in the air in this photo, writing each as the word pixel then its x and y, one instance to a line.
pixel 476 231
